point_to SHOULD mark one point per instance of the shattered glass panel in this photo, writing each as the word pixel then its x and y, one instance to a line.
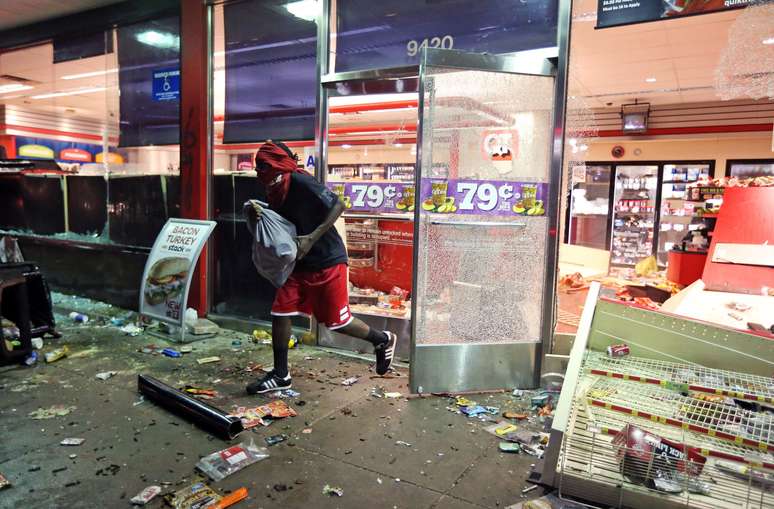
pixel 480 269
pixel 745 68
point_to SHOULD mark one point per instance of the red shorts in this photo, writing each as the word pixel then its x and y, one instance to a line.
pixel 323 294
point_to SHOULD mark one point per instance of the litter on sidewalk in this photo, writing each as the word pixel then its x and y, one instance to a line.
pixel 221 464
pixel 105 375
pixel 51 412
pixel 195 496
pixel 72 441
pixel 146 495
pixel 332 491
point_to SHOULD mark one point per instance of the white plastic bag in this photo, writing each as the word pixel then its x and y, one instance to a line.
pixel 274 244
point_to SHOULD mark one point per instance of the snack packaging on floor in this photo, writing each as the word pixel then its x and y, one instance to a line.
pixel 221 464
pixel 196 496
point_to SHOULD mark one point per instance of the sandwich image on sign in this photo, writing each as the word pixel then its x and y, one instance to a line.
pixel 166 280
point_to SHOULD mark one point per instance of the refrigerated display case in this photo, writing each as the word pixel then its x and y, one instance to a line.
pixel 634 213
pixel 589 219
pixel 676 210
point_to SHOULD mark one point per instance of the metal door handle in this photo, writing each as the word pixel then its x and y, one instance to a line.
pixel 480 223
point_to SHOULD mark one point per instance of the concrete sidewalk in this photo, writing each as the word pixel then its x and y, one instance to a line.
pixel 451 462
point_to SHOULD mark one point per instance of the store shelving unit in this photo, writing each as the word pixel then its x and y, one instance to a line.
pixel 701 387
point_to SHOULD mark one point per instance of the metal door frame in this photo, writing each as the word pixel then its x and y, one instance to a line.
pixel 449 360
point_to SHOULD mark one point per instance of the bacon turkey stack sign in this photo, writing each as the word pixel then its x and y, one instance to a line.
pixel 170 266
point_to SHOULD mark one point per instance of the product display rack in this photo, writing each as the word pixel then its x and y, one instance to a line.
pixel 718 410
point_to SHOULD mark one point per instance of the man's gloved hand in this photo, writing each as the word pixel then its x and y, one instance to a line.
pixel 257 209
pixel 304 244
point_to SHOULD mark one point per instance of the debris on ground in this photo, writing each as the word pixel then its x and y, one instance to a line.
pixel 377 392
pixel 186 349
pixel 393 395
pixel 170 352
pixel 208 360
pixel 230 499
pixel 515 415
pixel 55 355
pixel 105 375
pixel 78 317
pixel 221 464
pixel 4 483
pixel 401 442
pixel 287 393
pixel 146 495
pixel 332 491
pixel 276 439
pixel 131 329
pixel 72 441
pixel 200 392
pixel 347 382
pixel 51 412
pixel 529 488
pixel 509 447
pixel 194 496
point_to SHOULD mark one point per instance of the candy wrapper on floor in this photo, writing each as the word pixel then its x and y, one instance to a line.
pixel 658 463
pixel 196 496
pixel 221 464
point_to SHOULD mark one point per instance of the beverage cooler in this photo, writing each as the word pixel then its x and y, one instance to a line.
pixel 634 210
pixel 635 198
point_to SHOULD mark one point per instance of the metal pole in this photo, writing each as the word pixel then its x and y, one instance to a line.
pixel 555 183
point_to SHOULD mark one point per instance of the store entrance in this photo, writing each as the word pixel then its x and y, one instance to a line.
pixel 444 170
pixel 481 225
pixel 369 155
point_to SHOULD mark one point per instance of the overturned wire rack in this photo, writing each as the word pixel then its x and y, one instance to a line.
pixel 662 398
pixel 716 419
pixel 682 376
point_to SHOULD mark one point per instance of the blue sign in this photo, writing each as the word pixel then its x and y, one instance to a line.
pixel 166 84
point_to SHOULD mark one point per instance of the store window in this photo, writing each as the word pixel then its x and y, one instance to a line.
pixel 264 87
pixel 89 131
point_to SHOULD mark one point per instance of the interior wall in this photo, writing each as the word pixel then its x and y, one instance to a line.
pixel 712 148
pixel 719 149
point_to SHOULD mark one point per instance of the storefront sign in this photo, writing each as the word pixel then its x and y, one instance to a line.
pixel 170 266
pixel 624 12
pixel 500 145
pixel 37 151
pixel 43 148
pixel 480 197
pixel 375 196
pixel 75 154
pixel 166 84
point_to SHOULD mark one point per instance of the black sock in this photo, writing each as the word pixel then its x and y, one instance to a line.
pixel 281 360
pixel 376 337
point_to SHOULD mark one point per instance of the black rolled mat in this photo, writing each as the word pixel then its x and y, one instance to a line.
pixel 203 415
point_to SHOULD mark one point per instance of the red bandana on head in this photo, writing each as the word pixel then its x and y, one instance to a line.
pixel 274 167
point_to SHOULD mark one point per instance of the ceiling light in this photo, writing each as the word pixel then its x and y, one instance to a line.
pixel 304 9
pixel 13 87
pixel 650 80
pixel 158 39
pixel 88 74
pixel 768 40
pixel 71 92
pixel 346 146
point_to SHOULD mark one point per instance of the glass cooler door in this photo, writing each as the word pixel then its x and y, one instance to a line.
pixel 481 229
